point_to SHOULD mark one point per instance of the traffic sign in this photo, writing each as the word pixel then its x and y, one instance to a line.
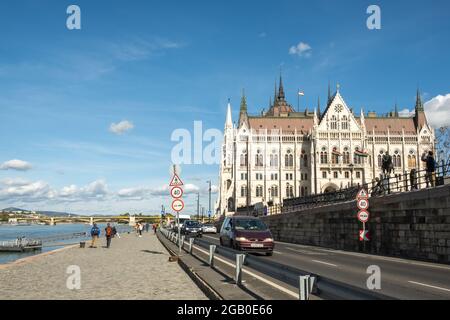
pixel 177 205
pixel 364 235
pixel 363 216
pixel 176 181
pixel 363 204
pixel 176 192
pixel 209 213
pixel 362 194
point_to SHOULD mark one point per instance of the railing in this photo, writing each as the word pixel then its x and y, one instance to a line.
pixel 386 184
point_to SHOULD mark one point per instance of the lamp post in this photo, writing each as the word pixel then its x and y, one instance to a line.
pixel 209 207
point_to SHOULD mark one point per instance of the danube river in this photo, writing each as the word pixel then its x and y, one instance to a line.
pixel 53 237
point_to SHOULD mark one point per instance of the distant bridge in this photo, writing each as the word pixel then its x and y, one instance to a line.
pixel 131 220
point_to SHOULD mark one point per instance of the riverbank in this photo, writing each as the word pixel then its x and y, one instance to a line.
pixel 133 268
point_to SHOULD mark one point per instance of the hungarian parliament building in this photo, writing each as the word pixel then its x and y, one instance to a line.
pixel 282 153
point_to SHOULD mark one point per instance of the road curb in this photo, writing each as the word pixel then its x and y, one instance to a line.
pixel 199 281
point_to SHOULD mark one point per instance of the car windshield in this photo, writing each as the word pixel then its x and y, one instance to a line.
pixel 208 225
pixel 250 225
pixel 192 224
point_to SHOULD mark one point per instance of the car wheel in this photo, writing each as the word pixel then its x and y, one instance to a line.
pixel 221 242
pixel 269 254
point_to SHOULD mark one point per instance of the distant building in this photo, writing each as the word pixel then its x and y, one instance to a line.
pixel 283 153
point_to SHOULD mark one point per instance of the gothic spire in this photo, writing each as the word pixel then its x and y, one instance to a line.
pixel 329 92
pixel 243 102
pixel 318 107
pixel 281 89
pixel 229 121
pixel 419 105
pixel 396 110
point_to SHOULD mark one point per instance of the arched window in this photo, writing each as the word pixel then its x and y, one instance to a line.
pixel 259 191
pixel 412 162
pixel 344 123
pixel 274 159
pixel 289 159
pixel 357 159
pixel 244 158
pixel 274 191
pixel 323 157
pixel 259 159
pixel 335 156
pixel 289 191
pixel 346 156
pixel 333 124
pixel 244 191
pixel 304 156
pixel 396 159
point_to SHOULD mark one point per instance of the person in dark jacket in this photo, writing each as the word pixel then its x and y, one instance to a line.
pixel 95 233
pixel 109 233
pixel 431 168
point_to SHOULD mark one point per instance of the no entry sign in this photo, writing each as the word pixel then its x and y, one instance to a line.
pixel 363 216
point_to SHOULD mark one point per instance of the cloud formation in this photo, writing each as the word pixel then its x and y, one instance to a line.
pixel 302 49
pixel 438 111
pixel 15 164
pixel 121 127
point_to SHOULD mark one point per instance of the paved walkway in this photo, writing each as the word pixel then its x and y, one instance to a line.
pixel 133 268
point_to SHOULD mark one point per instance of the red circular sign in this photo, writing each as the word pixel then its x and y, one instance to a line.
pixel 177 205
pixel 176 192
pixel 363 204
pixel 363 216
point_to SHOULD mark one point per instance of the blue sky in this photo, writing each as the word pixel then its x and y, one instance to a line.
pixel 163 65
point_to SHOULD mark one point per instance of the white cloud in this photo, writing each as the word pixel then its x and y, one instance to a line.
pixel 406 113
pixel 141 49
pixel 302 49
pixel 14 182
pixel 30 192
pixel 438 111
pixel 15 164
pixel 121 127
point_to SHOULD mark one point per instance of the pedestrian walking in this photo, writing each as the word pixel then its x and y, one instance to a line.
pixel 140 228
pixel 154 228
pixel 430 171
pixel 109 235
pixel 147 227
pixel 95 233
pixel 115 232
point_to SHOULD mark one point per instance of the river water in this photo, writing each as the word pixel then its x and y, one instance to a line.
pixel 60 234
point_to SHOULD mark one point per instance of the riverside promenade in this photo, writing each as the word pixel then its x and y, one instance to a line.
pixel 133 268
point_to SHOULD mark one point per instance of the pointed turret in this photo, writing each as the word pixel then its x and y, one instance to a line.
pixel 363 119
pixel 243 116
pixel 281 95
pixel 396 110
pixel 419 119
pixel 229 120
pixel 329 93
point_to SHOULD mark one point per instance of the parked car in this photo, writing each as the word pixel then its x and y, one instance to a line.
pixel 192 228
pixel 249 234
pixel 209 228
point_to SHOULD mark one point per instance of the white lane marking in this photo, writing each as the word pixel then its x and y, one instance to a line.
pixel 429 286
pixel 356 254
pixel 211 237
pixel 305 252
pixel 277 252
pixel 287 291
pixel 326 263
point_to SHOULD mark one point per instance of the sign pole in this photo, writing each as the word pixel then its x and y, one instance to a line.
pixel 179 231
pixel 364 241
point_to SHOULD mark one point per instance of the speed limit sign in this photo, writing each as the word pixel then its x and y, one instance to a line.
pixel 363 204
pixel 176 192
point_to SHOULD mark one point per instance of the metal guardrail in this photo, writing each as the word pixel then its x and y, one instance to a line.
pixel 320 286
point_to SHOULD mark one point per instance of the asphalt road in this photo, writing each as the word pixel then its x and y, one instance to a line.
pixel 400 278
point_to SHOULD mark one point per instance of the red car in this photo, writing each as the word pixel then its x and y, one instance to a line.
pixel 247 234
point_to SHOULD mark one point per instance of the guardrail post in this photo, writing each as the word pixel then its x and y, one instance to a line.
pixel 239 263
pixel 191 243
pixel 305 287
pixel 182 242
pixel 212 250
